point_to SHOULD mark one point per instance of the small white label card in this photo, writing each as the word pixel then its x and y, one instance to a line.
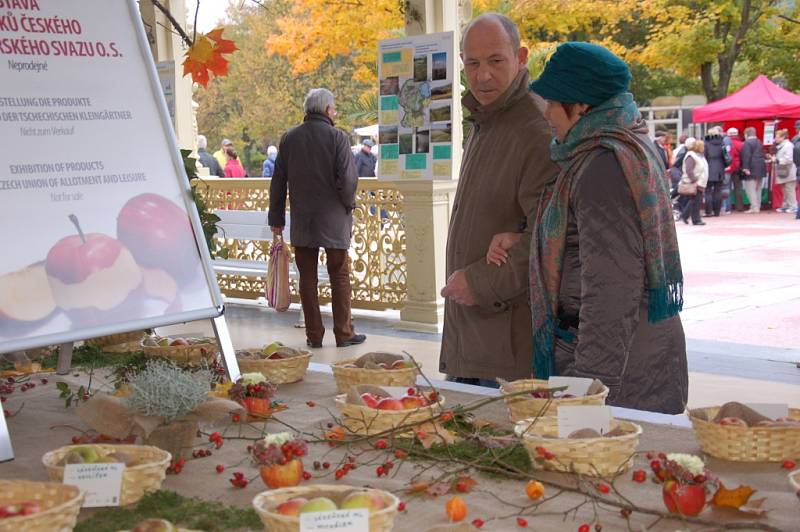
pixel 338 520
pixel 577 386
pixel 101 482
pixel 771 410
pixel 572 418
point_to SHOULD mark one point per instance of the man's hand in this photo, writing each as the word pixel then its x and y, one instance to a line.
pixel 746 171
pixel 458 290
pixel 277 231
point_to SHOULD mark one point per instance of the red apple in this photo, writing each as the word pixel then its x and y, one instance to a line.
pixel 683 499
pixel 291 507
pixel 159 234
pixel 93 277
pixel 30 507
pixel 282 476
pixel 390 403
pixel 180 342
pixel 399 364
pixel 9 510
pixel 367 499
pixel 26 301
pixel 733 421
pixel 410 402
pixel 275 356
pixel 369 400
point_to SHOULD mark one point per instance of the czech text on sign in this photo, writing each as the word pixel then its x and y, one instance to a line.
pixel 338 520
pixel 101 482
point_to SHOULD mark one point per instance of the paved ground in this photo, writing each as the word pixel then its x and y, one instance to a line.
pixel 741 314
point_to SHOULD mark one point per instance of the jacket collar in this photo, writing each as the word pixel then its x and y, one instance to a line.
pixel 322 117
pixel 481 113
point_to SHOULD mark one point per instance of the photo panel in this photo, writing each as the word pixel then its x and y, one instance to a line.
pixel 387 134
pixel 390 86
pixel 423 141
pixel 439 70
pixel 442 133
pixel 440 113
pixel 406 142
pixel 442 92
pixel 421 67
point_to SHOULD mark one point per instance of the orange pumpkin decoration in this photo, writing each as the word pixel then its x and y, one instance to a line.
pixel 456 509
pixel 534 489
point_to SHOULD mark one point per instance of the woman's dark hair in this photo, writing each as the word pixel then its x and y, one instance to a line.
pixel 569 108
pixel 232 153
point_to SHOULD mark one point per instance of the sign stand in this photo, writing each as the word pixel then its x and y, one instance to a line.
pixel 6 451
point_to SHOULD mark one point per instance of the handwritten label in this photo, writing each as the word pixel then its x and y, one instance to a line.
pixel 339 520
pixel 101 482
pixel 577 386
pixel 771 410
pixel 572 418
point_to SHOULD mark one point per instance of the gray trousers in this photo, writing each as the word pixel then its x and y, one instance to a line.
pixel 752 188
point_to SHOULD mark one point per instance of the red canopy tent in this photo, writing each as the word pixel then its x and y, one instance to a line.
pixel 759 101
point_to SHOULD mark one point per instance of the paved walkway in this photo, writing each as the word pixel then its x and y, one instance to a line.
pixel 741 314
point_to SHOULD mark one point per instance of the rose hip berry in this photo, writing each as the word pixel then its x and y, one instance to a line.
pixel 522 522
pixel 220 468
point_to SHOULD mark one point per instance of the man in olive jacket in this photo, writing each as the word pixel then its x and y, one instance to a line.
pixel 506 163
pixel 315 162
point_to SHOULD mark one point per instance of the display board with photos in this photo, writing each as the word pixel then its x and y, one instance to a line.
pixel 100 232
pixel 416 83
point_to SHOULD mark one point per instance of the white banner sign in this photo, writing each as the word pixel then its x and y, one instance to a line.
pixel 95 207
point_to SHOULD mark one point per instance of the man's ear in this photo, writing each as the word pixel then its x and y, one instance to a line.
pixel 522 57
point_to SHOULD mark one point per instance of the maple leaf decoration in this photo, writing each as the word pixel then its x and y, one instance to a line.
pixel 735 498
pixel 205 56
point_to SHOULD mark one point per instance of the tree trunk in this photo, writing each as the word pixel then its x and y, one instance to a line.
pixel 707 78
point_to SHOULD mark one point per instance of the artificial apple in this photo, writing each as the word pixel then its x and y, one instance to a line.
pixel 291 507
pixel 367 499
pixel 26 301
pixel 390 403
pixel 159 235
pixel 89 454
pixel 733 421
pixel 318 504
pixel 410 402
pixel 687 499
pixel 282 476
pixel 369 400
pixel 93 277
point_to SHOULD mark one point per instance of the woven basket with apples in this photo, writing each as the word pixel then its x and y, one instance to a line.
pixel 116 342
pixel 379 368
pixel 584 451
pixel 368 409
pixel 541 401
pixel 145 466
pixel 738 433
pixel 280 509
pixel 27 506
pixel 278 363
pixel 184 351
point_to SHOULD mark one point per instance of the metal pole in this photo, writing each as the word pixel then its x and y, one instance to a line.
pixel 225 343
pixel 64 358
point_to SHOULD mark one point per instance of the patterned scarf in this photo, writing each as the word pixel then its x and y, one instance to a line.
pixel 615 125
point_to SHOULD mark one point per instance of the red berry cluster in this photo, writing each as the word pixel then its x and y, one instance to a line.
pixel 177 467
pixel 27 386
pixel 383 470
pixel 639 476
pixel 269 454
pixel 238 480
pixel 201 453
pixel 350 464
pixel 544 453
pixel 789 464
pixel 216 439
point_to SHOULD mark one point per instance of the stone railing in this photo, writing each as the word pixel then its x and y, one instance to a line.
pixel 377 254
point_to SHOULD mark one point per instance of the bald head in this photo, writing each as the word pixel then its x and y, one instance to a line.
pixel 492 56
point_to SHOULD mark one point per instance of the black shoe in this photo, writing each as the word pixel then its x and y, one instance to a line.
pixel 309 343
pixel 685 220
pixel 354 340
pixel 699 223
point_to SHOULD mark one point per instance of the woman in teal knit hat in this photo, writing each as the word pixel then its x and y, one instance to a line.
pixel 606 280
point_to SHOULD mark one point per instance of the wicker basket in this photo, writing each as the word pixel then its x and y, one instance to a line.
pixel 746 444
pixel 116 339
pixel 137 480
pixel 604 456
pixel 280 371
pixel 367 421
pixel 347 377
pixel 265 502
pixel 524 407
pixel 60 506
pixel 191 355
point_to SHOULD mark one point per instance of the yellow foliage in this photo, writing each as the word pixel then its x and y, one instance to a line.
pixel 316 30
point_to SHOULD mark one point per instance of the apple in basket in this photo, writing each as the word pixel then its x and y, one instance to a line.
pixel 413 401
pixel 733 422
pixel 369 400
pixel 24 508
pixel 318 504
pixel 390 403
pixel 291 507
pixel 366 499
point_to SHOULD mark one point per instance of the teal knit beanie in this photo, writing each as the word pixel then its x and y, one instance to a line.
pixel 581 72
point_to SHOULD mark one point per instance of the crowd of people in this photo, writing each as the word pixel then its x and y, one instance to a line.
pixel 562 255
pixel 717 173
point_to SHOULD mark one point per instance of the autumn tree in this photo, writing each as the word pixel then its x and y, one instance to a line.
pixel 690 39
pixel 261 98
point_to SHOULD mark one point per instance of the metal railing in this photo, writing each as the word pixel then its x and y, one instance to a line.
pixel 377 253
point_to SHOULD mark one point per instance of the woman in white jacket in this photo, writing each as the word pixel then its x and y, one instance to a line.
pixel 695 170
pixel 785 171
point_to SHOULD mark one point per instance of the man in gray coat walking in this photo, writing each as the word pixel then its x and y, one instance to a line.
pixel 316 164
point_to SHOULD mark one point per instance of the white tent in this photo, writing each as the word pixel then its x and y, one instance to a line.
pixel 367 131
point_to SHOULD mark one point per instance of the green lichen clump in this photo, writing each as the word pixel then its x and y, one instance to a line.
pixel 163 389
